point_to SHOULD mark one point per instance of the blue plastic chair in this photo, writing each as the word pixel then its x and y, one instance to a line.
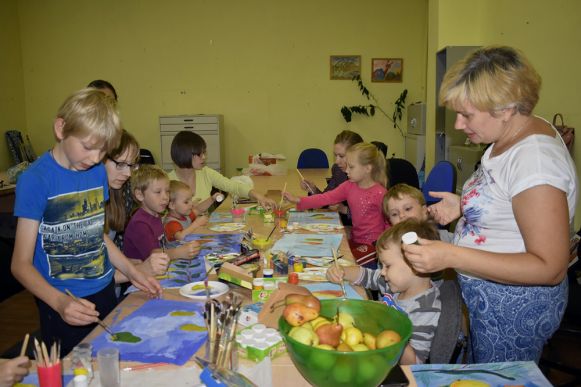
pixel 312 158
pixel 442 178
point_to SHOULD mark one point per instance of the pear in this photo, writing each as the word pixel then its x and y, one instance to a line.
pixel 298 314
pixel 346 320
pixel 387 338
pixel 329 334
pixel 307 300
pixel 319 321
pixel 369 340
pixel 344 347
pixel 353 336
pixel 360 347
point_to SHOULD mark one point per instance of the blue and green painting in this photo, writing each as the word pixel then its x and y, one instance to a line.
pixel 159 331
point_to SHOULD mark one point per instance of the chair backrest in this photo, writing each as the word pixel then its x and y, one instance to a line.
pixel 450 338
pixel 441 178
pixel 312 158
pixel 401 171
pixel 381 146
pixel 146 157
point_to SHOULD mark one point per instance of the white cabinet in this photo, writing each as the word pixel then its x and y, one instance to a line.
pixel 210 127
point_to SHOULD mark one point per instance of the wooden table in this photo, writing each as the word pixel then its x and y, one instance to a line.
pixel 284 373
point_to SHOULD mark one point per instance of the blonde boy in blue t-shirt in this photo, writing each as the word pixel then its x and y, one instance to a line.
pixel 60 240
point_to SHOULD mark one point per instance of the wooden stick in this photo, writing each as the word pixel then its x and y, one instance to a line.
pixel 38 353
pixel 144 366
pixel 303 179
pixel 45 355
pixel 337 266
pixel 24 345
pixel 282 195
pixel 99 321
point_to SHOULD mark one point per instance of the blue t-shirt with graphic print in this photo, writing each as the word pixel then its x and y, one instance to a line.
pixel 70 251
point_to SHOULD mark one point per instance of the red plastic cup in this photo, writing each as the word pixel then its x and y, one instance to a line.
pixel 280 213
pixel 50 376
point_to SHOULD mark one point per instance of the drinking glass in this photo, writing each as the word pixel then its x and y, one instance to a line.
pixel 108 359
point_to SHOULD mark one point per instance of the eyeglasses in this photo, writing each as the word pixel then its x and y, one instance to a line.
pixel 121 165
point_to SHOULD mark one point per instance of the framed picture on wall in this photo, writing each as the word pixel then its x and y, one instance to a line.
pixel 345 66
pixel 386 69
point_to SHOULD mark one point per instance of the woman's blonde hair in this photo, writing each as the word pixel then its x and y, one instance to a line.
pixel 116 215
pixel 491 79
pixel 368 154
pixel 144 176
pixel 399 191
pixel 90 112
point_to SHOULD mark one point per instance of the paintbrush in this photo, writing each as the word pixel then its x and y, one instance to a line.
pixel 338 268
pixel 307 184
pixel 282 196
pixel 269 235
pixel 24 345
pixel 99 321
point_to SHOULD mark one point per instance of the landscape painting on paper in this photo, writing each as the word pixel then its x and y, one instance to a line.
pixel 309 245
pixel 519 373
pixel 386 69
pixel 159 331
pixel 304 217
pixel 345 66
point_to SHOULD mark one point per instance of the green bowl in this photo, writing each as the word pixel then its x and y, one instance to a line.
pixel 368 368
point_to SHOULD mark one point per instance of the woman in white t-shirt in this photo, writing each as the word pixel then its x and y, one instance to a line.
pixel 511 245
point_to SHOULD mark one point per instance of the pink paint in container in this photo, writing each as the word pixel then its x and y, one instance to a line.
pixel 237 214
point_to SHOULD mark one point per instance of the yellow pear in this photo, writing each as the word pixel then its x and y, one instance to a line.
pixel 353 336
pixel 343 347
pixel 369 340
pixel 360 347
pixel 387 338
pixel 346 320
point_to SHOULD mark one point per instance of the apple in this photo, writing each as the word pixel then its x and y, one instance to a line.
pixel 369 340
pixel 304 336
pixel 387 338
pixel 353 336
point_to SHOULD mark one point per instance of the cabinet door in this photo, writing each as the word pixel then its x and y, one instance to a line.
pixel 213 150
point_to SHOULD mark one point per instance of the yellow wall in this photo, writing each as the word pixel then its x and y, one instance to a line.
pixel 263 64
pixel 549 33
pixel 12 112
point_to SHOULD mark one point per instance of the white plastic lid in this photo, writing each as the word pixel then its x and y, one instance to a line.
pixel 270 332
pixel 409 238
pixel 258 328
pixel 219 198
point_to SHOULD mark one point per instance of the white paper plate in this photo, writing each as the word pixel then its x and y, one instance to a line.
pixel 225 227
pixel 197 291
pixel 321 227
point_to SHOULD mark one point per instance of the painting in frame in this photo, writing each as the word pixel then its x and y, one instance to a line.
pixel 386 70
pixel 345 66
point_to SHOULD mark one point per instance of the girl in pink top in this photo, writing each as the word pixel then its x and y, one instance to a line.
pixel 364 191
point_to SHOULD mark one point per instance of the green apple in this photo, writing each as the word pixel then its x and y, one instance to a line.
pixel 303 335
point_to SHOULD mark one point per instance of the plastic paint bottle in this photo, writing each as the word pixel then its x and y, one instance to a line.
pixel 410 238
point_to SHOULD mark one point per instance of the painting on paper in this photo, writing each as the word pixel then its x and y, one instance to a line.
pixel 386 69
pixel 314 217
pixel 345 66
pixel 309 245
pixel 328 290
pixel 159 331
pixel 221 217
pixel 217 244
pixel 520 373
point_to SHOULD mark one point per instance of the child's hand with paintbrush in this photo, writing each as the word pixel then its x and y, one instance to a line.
pixel 338 273
pixel 186 250
pixel 76 311
pixel 291 198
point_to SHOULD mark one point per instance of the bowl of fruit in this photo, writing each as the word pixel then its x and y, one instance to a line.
pixel 343 342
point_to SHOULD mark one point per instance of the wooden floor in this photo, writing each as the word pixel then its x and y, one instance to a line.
pixel 18 316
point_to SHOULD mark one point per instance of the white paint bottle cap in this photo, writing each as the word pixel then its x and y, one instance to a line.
pixel 410 238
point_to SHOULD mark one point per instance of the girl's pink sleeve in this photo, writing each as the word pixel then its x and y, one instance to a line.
pixel 335 196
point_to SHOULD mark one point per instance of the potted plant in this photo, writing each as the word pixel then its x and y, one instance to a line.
pixel 369 110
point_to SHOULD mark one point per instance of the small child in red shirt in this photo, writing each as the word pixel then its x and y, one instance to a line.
pixel 181 219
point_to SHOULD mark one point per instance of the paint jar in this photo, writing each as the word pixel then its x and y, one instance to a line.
pixel 81 359
pixel 298 265
pixel 410 238
pixel 237 214
pixel 291 262
pixel 267 273
pixel 80 381
pixel 268 217
pixel 269 286
pixel 258 284
pixel 293 278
